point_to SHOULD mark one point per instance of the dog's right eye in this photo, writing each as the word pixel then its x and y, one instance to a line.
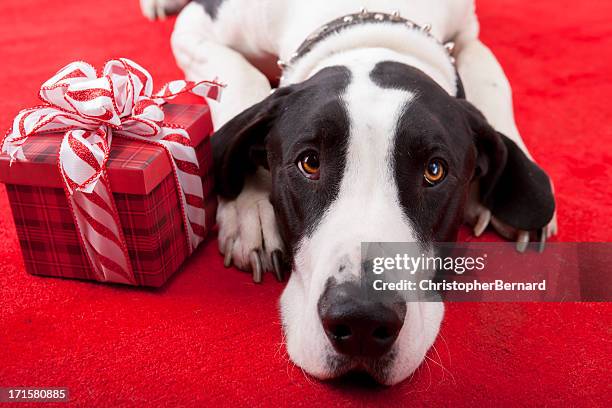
pixel 435 171
pixel 308 163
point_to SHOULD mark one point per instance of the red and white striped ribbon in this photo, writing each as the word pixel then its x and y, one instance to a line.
pixel 90 110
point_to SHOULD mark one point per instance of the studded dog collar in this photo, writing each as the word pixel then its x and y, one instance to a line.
pixel 362 17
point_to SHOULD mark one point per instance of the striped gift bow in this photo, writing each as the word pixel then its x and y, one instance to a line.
pixel 91 110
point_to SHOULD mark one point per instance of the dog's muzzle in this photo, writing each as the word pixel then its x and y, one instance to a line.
pixel 358 322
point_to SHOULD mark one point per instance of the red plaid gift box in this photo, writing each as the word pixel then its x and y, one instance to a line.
pixel 153 210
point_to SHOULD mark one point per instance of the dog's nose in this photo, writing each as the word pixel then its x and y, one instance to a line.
pixel 359 324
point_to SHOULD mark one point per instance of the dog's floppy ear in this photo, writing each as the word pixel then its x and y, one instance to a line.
pixel 239 146
pixel 515 189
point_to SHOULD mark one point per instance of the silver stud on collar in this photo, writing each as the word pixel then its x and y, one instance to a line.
pixel 395 14
pixel 348 19
pixel 450 46
pixel 281 64
pixel 426 27
pixel 363 11
pixel 379 17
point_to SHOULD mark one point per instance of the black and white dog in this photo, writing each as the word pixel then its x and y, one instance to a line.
pixel 378 132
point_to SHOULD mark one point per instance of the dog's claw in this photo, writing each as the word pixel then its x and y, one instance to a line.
pixel 522 241
pixel 160 10
pixel 551 228
pixel 277 257
pixel 256 268
pixel 484 218
pixel 227 250
pixel 543 236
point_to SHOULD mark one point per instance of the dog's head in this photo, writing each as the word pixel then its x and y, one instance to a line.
pixel 370 155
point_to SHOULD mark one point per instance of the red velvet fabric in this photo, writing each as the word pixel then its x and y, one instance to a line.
pixel 212 337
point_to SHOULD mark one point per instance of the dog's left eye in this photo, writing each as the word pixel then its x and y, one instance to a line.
pixel 309 164
pixel 435 171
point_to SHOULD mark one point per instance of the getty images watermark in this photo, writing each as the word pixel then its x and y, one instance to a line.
pixel 489 271
pixel 459 265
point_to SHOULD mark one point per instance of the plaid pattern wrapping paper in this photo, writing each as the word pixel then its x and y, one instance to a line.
pixel 145 194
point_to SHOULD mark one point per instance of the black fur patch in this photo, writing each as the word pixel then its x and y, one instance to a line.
pixel 211 6
pixel 294 119
pixel 438 125
pixel 431 126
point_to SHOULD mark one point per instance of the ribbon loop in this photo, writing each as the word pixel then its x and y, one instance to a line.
pixel 90 110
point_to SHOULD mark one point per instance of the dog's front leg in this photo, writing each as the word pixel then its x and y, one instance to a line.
pixel 248 234
pixel 202 55
pixel 487 87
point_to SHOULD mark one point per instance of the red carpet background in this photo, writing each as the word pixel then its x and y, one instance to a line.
pixel 210 336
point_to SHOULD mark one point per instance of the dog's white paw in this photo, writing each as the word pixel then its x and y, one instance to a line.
pixel 159 9
pixel 248 233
